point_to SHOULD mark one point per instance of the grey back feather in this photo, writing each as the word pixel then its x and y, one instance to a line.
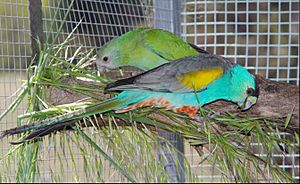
pixel 164 78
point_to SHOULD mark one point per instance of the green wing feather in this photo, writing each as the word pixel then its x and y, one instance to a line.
pixel 172 49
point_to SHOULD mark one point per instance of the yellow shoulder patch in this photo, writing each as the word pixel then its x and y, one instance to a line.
pixel 198 79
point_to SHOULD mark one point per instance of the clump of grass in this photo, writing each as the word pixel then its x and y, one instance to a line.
pixel 131 150
pixel 50 72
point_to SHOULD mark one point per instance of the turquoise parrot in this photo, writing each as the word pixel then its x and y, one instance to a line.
pixel 143 48
pixel 182 86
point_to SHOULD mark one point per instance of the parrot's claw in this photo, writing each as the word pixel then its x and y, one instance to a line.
pixel 213 114
pixel 199 118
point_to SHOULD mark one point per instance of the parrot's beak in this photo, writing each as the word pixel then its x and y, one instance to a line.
pixel 103 69
pixel 249 102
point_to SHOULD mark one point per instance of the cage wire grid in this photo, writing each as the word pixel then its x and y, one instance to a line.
pixel 116 18
pixel 14 54
pixel 262 35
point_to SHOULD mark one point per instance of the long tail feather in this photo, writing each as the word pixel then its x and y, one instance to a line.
pixel 44 131
pixel 41 132
pixel 54 124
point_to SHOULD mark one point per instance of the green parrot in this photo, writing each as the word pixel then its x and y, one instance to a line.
pixel 144 48
pixel 182 86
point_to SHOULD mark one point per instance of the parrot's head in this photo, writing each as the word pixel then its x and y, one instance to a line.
pixel 244 88
pixel 108 57
pixel 118 52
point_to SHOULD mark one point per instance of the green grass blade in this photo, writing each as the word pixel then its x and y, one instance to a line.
pixel 105 155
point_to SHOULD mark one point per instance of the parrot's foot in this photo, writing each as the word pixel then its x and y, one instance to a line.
pixel 213 114
pixel 209 115
pixel 199 118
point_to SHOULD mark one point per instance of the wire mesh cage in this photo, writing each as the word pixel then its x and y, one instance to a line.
pixel 260 35
pixel 263 36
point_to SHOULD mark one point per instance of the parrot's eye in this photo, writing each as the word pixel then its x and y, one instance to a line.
pixel 105 58
pixel 250 91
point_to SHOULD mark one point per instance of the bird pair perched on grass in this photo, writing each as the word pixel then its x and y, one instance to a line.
pixel 178 76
